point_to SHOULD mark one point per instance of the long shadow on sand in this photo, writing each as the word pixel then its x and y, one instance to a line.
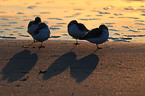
pixel 84 67
pixel 60 65
pixel 79 69
pixel 19 65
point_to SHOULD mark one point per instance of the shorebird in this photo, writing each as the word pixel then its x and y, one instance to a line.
pixel 101 37
pixel 96 35
pixel 42 33
pixel 77 30
pixel 32 26
pixel 38 30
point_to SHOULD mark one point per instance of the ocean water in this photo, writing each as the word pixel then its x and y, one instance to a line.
pixel 124 18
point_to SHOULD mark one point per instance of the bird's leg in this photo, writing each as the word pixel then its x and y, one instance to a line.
pixel 30 44
pixel 98 47
pixel 76 42
pixel 41 46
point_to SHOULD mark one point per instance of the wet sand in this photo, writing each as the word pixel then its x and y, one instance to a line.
pixel 63 69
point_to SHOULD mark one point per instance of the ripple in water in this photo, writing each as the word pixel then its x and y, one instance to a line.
pixel 113 30
pixel 90 19
pixel 44 12
pixel 27 19
pixel 118 14
pixel 103 12
pixel 129 8
pixel 139 24
pixel 116 34
pixel 2 31
pixel 4 19
pixel 20 13
pixel 55 36
pixel 7 29
pixel 6 25
pixel 52 28
pixel 36 15
pixel 78 9
pixel 99 15
pixel 15 31
pixel 55 19
pixel 134 35
pixel 60 23
pixel 65 34
pixel 129 17
pixel 125 27
pixel 2 12
pixel 120 39
pixel 12 22
pixel 139 21
pixel 68 16
pixel 141 29
pixel 24 35
pixel 143 14
pixel 7 37
pixel 110 23
pixel 31 7
pixel 133 30
pixel 19 28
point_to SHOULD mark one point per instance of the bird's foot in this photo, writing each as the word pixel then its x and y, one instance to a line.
pixel 41 47
pixel 76 43
pixel 99 48
pixel 25 46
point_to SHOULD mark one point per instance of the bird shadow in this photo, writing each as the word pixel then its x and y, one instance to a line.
pixel 73 48
pixel 81 69
pixel 60 65
pixel 19 65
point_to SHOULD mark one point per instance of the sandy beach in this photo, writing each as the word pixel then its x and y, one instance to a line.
pixel 63 69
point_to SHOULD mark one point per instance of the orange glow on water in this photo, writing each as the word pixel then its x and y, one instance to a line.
pixel 123 17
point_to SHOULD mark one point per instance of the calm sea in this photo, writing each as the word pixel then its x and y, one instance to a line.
pixel 124 18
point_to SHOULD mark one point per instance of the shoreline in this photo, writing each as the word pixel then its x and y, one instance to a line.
pixel 63 69
pixel 53 39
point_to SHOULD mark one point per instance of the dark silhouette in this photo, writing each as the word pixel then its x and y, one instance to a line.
pixel 36 22
pixel 79 32
pixel 60 65
pixel 81 26
pixel 96 35
pixel 84 67
pixel 96 32
pixel 19 65
pixel 79 69
pixel 39 31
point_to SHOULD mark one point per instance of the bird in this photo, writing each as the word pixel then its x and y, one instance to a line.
pixel 96 35
pixel 32 26
pixel 77 30
pixel 42 33
pixel 38 30
pixel 103 35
